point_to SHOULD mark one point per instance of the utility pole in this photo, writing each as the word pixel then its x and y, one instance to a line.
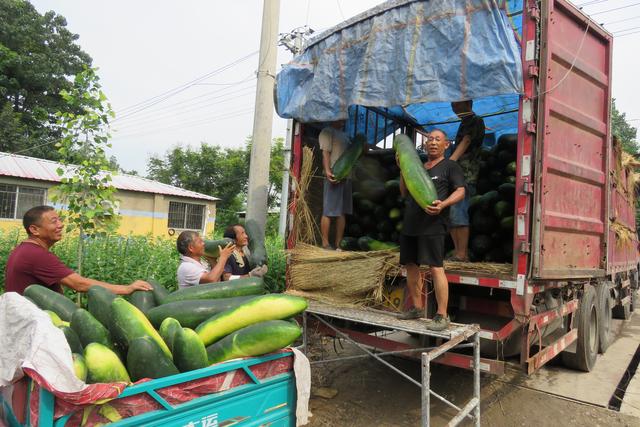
pixel 263 115
pixel 292 41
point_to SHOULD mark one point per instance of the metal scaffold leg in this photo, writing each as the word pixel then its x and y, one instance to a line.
pixel 426 389
pixel 476 377
pixel 470 334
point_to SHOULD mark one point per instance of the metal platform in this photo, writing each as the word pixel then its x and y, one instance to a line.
pixel 387 320
pixel 455 337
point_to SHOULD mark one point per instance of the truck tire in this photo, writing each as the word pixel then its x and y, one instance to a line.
pixel 586 320
pixel 603 301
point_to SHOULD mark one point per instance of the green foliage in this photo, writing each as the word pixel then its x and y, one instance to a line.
pixel 121 260
pixel 38 54
pixel 86 186
pixel 623 130
pixel 277 262
pixel 12 130
pixel 276 167
pixel 219 172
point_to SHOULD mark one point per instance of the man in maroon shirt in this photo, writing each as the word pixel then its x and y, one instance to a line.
pixel 31 262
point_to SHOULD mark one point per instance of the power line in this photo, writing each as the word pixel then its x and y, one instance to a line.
pixel 171 115
pixel 191 124
pixel 185 101
pixel 589 3
pixel 25 150
pixel 621 20
pixel 615 8
pixel 199 79
pixel 172 92
pixel 625 30
pixel 153 114
pixel 628 34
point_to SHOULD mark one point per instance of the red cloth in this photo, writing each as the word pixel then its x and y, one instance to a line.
pixel 75 403
pixel 30 263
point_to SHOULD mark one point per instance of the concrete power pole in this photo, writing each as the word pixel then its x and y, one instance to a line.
pixel 263 115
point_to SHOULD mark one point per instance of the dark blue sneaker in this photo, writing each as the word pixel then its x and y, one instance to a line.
pixel 414 313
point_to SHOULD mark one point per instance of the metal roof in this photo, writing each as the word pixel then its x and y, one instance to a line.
pixel 45 170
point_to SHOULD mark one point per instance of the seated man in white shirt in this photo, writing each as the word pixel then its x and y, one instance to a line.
pixel 192 271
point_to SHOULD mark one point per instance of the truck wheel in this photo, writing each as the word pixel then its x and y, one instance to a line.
pixel 586 320
pixel 603 301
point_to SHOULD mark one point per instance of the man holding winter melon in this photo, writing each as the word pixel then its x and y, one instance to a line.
pixel 428 198
pixel 192 271
pixel 336 199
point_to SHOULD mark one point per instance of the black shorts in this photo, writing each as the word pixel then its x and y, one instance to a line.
pixel 422 250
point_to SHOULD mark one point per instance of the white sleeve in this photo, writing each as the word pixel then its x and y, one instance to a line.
pixel 326 140
pixel 189 274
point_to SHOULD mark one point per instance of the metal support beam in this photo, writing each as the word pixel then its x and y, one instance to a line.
pixel 426 389
pixel 476 377
pixel 362 356
pixel 427 356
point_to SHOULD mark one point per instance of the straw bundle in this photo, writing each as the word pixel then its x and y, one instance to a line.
pixel 629 161
pixel 478 267
pixel 305 228
pixel 624 235
pixel 487 268
pixel 346 278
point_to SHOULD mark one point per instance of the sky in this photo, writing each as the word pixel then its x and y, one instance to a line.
pixel 195 61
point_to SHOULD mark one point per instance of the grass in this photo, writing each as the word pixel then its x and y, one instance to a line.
pixel 123 259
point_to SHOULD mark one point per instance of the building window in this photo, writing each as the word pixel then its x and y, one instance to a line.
pixel 186 216
pixel 16 200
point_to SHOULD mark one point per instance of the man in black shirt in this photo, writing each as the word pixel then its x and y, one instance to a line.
pixel 424 230
pixel 466 150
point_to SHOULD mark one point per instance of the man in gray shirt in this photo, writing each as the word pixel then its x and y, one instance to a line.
pixel 337 196
pixel 192 271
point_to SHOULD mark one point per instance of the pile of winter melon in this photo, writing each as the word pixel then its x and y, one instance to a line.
pixel 153 334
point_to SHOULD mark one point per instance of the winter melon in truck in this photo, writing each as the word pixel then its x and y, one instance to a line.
pixel 553 225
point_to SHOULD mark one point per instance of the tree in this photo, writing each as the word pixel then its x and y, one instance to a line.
pixel 86 186
pixel 276 172
pixel 623 130
pixel 216 171
pixel 38 59
pixel 12 130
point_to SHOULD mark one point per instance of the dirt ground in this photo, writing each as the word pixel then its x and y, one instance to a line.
pixel 370 394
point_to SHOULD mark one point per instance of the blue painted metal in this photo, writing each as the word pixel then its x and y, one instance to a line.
pixel 46 409
pixel 10 418
pixel 261 402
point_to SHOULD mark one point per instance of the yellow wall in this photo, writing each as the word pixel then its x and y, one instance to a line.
pixel 140 213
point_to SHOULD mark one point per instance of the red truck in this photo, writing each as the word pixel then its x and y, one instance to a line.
pixel 572 266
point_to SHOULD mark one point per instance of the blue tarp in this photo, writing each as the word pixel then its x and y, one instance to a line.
pixel 411 59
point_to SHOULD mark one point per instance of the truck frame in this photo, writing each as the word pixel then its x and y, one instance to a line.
pixel 570 273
